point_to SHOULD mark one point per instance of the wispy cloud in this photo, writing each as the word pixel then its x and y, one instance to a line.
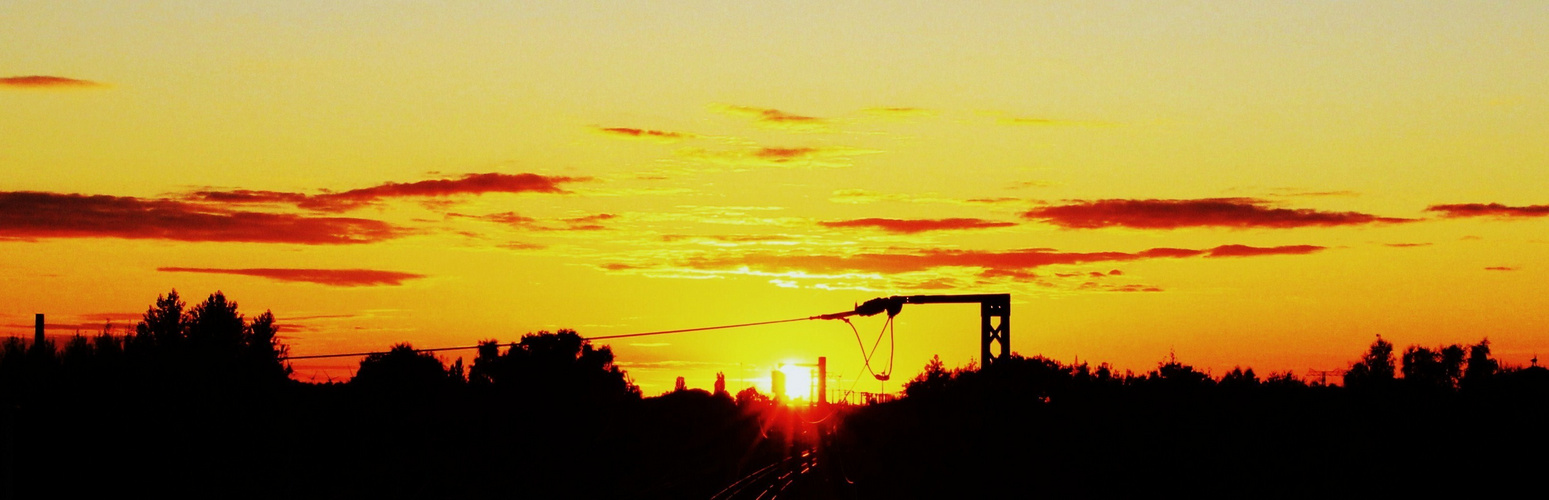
pixel 901 261
pixel 825 156
pixel 30 215
pixel 512 219
pixel 1011 274
pixel 863 197
pixel 1210 212
pixel 1501 268
pixel 330 277
pixel 773 118
pixel 46 82
pixel 645 134
pixel 1046 122
pixel 681 243
pixel 1489 210
pixel 1307 193
pixel 913 226
pixel 731 238
pixel 1030 184
pixel 1247 251
pixel 522 245
pixel 899 112
pixel 1093 286
pixel 1009 119
pixel 470 184
pixel 586 223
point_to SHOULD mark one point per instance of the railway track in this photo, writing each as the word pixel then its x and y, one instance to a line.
pixel 771 481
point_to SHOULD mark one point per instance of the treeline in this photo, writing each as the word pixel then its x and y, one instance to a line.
pixel 1431 420
pixel 196 401
pixel 1421 371
pixel 173 348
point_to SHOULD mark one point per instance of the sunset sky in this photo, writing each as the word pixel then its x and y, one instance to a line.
pixel 1267 185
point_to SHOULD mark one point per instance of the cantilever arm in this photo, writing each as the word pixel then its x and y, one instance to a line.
pixel 992 307
pixel 892 305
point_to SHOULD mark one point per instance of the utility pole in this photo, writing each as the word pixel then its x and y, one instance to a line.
pixel 1323 375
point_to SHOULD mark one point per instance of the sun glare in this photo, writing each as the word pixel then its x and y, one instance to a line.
pixel 798 381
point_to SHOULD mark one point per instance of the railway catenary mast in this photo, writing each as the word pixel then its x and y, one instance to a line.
pixel 994 317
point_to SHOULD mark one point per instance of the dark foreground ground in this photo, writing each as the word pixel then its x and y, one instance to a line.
pixel 980 434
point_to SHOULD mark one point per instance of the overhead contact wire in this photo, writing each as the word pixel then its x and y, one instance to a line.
pixel 600 337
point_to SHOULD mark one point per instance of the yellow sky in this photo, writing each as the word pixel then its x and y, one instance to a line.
pixel 1314 175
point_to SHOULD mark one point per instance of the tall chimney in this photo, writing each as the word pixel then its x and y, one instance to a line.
pixel 777 384
pixel 823 380
pixel 38 336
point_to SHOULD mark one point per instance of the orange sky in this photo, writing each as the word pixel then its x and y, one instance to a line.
pixel 1239 184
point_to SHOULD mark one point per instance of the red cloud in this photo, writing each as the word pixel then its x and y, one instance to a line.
pixel 1500 268
pixel 53 215
pixel 641 133
pixel 1171 253
pixel 330 277
pixel 587 223
pixel 473 184
pixel 999 199
pixel 1212 212
pixel 1247 251
pixel 508 218
pixel 772 117
pixel 775 115
pixel 468 184
pixel 248 196
pixel 912 226
pixel 784 154
pixel 38 81
pixel 1488 210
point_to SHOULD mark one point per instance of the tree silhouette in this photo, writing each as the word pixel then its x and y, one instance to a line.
pixel 403 369
pixel 1375 369
pixel 1481 367
pixel 210 344
pixel 162 324
pixel 1422 368
pixel 215 326
pixel 1240 379
pixel 933 379
pixel 751 398
pixel 262 350
pixel 1172 375
pixel 553 365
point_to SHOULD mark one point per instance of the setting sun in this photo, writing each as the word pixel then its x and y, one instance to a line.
pixel 798 381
